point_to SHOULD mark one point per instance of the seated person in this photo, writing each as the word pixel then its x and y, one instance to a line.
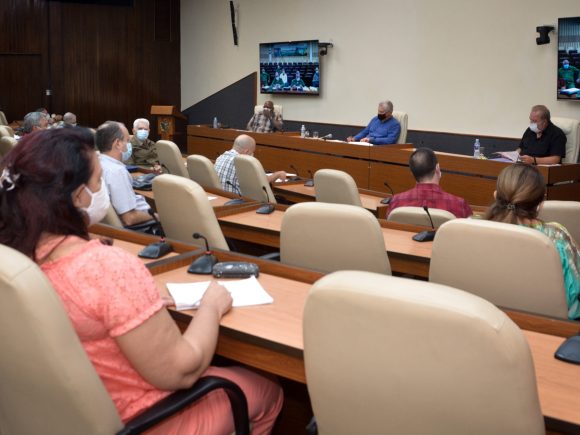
pixel 111 298
pixel 383 129
pixel 226 170
pixel 264 78
pixel 277 83
pixel 144 151
pixel 316 78
pixel 266 121
pixel 518 199
pixel 297 83
pixel 34 121
pixel 69 119
pixel 425 168
pixel 112 140
pixel 542 142
pixel 569 74
pixel 284 77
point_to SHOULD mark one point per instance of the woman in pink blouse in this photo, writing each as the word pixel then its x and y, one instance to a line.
pixel 50 191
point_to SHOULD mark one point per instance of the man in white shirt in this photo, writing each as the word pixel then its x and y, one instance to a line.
pixel 112 140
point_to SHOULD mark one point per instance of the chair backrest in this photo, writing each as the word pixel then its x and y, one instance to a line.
pixel 48 383
pixel 3 120
pixel 259 108
pixel 253 180
pixel 330 237
pixel 6 144
pixel 202 171
pixel 509 265
pixel 418 216
pixel 170 158
pixel 404 121
pixel 338 187
pixel 184 209
pixel 566 213
pixel 394 355
pixel 5 130
pixel 112 218
pixel 571 128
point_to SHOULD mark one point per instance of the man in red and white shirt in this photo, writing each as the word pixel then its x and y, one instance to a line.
pixel 425 168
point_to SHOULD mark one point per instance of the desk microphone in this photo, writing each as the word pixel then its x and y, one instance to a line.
pixel 234 201
pixel 266 208
pixel 203 265
pixel 310 182
pixel 388 200
pixel 157 249
pixel 426 236
pixel 328 136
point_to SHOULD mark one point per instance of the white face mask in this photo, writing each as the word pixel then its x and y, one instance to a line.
pixel 534 127
pixel 100 203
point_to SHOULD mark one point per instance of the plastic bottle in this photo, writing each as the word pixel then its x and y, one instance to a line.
pixel 476 149
pixel 215 122
pixel 302 131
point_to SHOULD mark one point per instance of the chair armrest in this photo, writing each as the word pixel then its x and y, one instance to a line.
pixel 182 398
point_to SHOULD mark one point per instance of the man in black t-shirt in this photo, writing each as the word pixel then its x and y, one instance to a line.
pixel 542 143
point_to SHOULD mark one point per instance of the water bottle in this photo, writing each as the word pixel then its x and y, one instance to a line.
pixel 215 122
pixel 476 149
pixel 302 131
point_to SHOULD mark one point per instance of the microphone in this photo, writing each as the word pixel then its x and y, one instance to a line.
pixel 298 177
pixel 237 191
pixel 203 265
pixel 388 200
pixel 328 136
pixel 309 182
pixel 157 249
pixel 426 236
pixel 266 208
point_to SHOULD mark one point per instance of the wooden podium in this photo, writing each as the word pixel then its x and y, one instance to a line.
pixel 170 124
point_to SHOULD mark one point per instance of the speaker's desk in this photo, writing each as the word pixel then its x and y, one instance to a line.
pixel 371 166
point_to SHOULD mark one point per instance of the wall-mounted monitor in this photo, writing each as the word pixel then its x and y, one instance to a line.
pixel 569 59
pixel 290 68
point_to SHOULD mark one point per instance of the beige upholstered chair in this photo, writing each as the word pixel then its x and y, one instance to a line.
pixel 184 209
pixel 403 120
pixel 170 158
pixel 330 237
pixel 6 131
pixel 566 213
pixel 418 216
pixel 112 218
pixel 6 144
pixel 49 386
pixel 388 355
pixel 509 265
pixel 571 128
pixel 338 187
pixel 253 181
pixel 202 171
pixel 3 120
pixel 277 109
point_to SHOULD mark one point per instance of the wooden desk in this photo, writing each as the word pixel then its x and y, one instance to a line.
pixel 405 255
pixel 371 166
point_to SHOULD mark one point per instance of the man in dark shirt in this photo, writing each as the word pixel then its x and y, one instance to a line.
pixel 542 143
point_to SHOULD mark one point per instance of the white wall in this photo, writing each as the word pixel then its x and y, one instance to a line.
pixel 460 66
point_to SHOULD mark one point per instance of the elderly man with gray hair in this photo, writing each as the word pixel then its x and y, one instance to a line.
pixel 34 121
pixel 383 129
pixel 144 149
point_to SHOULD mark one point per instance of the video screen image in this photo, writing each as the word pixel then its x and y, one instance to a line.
pixel 568 59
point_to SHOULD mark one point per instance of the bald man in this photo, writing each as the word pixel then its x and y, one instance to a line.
pixel 226 170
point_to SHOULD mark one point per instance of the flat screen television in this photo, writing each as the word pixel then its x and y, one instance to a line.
pixel 290 68
pixel 568 59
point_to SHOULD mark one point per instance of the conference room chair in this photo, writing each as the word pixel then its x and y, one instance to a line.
pixel 277 108
pixel 6 144
pixel 49 384
pixel 418 216
pixel 5 130
pixel 331 237
pixel 113 219
pixel 184 209
pixel 571 128
pixel 170 158
pixel 404 121
pixel 509 265
pixel 253 181
pixel 566 213
pixel 334 186
pixel 388 355
pixel 202 171
pixel 3 120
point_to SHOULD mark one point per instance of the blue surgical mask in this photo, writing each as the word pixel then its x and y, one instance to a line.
pixel 566 66
pixel 127 154
pixel 142 134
